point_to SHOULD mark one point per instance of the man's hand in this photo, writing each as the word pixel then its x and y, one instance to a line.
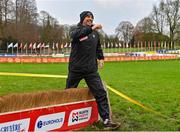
pixel 101 63
pixel 96 26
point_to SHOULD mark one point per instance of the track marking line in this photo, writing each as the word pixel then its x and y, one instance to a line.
pixel 139 104
pixel 32 75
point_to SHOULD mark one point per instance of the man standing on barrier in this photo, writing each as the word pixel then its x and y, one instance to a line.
pixel 85 52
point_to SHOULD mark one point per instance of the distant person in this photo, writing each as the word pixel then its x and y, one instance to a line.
pixel 85 52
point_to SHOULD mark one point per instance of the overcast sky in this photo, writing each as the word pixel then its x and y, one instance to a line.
pixel 109 13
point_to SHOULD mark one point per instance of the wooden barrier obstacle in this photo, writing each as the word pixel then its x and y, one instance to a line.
pixel 45 111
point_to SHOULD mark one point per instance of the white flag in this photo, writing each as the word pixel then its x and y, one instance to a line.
pixel 108 45
pixel 70 45
pixel 65 46
pixel 112 45
pixel 47 46
pixel 16 45
pixel 39 45
pixel 127 46
pixel 57 45
pixel 34 46
pixel 53 47
pixel 116 45
pixel 10 45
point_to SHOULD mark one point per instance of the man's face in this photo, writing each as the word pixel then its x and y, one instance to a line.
pixel 88 20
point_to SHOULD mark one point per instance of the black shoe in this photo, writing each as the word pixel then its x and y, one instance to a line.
pixel 108 125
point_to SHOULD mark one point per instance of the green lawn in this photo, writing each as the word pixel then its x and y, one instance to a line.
pixel 155 84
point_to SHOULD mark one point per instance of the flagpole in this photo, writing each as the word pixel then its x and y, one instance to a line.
pixel 44 48
pixel 7 47
pixel 31 48
pixel 34 48
pixel 21 48
pixel 26 48
pixel 12 49
pixel 53 48
pixel 48 48
pixel 17 48
pixel 40 50
pixel 64 47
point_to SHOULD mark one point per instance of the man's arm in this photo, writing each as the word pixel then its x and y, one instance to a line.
pixel 80 32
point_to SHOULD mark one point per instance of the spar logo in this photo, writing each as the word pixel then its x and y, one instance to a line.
pixel 50 122
pixel 79 116
pixel 15 126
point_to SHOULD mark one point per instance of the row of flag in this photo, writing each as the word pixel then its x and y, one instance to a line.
pixel 104 45
pixel 138 44
pixel 38 46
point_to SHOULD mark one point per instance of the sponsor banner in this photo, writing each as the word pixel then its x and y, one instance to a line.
pixel 59 60
pixel 50 122
pixel 79 116
pixel 71 116
pixel 15 126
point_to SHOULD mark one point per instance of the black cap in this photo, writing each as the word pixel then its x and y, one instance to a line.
pixel 84 14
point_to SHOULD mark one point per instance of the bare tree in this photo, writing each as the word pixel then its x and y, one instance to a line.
pixel 5 11
pixel 171 10
pixel 124 31
pixel 43 17
pixel 158 16
pixel 51 31
pixel 145 25
pixel 177 35
pixel 1 13
pixel 26 11
pixel 26 20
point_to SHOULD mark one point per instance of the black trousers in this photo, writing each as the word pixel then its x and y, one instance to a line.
pixel 95 85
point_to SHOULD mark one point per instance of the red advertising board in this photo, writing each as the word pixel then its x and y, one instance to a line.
pixel 58 60
pixel 71 116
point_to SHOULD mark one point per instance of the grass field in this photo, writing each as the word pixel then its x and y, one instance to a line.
pixel 155 84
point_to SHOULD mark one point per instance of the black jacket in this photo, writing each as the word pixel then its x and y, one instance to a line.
pixel 85 50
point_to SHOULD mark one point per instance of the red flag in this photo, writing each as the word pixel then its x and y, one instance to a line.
pixel 21 46
pixel 159 44
pixel 154 45
pixel 30 46
pixel 43 45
